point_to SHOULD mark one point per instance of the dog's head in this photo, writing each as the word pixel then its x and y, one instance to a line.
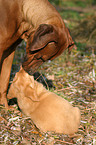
pixel 48 42
pixel 23 84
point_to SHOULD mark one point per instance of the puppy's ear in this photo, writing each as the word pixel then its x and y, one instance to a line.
pixel 30 90
pixel 31 93
pixel 43 36
pixel 32 84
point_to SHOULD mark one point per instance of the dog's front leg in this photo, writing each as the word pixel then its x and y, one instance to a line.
pixel 4 78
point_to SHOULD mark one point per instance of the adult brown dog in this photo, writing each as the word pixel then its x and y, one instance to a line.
pixel 48 111
pixel 40 25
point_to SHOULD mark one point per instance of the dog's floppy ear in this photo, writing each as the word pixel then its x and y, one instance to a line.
pixel 45 34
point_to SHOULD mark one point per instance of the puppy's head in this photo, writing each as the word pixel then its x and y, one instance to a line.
pixel 23 84
pixel 48 42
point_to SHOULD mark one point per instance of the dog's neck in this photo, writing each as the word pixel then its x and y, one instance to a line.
pixel 35 16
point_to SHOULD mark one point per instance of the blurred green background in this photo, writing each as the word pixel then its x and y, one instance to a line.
pixel 80 17
pixel 82 3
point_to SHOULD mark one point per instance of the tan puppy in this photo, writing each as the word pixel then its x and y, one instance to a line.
pixel 48 111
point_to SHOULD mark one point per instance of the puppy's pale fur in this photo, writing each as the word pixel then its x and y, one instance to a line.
pixel 48 111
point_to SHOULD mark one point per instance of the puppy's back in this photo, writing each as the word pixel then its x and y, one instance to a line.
pixel 56 114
